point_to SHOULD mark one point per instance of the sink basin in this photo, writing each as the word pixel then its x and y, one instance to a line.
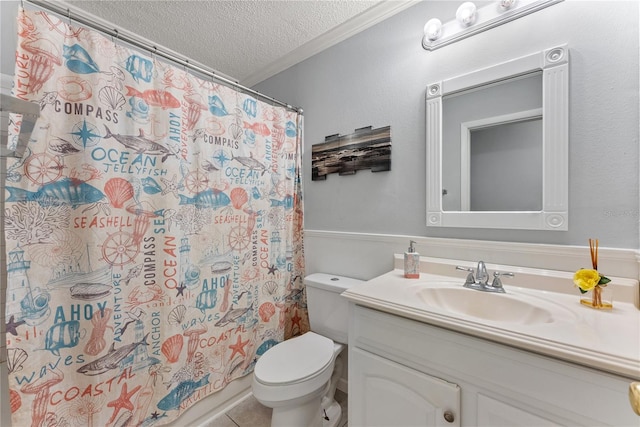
pixel 503 308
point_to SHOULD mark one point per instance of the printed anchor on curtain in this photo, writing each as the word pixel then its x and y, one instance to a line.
pixel 154 233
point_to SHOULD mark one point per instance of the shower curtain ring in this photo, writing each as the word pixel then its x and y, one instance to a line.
pixel 69 15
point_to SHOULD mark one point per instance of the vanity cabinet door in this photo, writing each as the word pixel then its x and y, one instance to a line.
pixel 383 393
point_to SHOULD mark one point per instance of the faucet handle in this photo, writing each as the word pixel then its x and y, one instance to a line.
pixel 497 283
pixel 470 279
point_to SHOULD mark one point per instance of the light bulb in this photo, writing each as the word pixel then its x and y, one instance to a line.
pixel 507 4
pixel 433 29
pixel 466 14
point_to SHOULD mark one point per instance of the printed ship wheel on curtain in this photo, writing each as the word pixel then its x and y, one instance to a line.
pixel 42 168
pixel 239 238
pixel 120 249
pixel 196 182
pixel 281 188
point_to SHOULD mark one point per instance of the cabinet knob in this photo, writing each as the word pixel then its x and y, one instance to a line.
pixel 448 417
pixel 634 396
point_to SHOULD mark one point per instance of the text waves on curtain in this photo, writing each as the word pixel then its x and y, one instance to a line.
pixel 154 233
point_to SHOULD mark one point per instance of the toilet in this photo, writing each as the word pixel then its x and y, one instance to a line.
pixel 298 377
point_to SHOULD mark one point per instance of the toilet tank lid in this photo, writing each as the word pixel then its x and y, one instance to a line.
pixel 330 281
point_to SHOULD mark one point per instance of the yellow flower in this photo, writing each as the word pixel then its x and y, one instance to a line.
pixel 586 279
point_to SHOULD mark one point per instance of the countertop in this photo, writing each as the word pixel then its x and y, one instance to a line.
pixel 607 340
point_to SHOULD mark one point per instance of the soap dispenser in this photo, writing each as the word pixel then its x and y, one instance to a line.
pixel 411 262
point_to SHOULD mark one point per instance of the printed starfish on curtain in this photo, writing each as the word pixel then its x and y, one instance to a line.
pixel 238 347
pixel 171 186
pixel 123 401
pixel 295 320
pixel 181 289
pixel 12 326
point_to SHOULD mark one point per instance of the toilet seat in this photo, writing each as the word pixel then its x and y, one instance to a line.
pixel 295 360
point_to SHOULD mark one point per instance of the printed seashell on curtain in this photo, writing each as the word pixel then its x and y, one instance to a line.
pixel 153 231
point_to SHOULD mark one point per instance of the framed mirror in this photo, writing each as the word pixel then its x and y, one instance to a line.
pixel 497 145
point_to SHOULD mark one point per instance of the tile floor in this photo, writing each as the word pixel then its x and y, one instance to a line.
pixel 250 413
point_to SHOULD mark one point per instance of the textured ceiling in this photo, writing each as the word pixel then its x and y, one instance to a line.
pixel 246 40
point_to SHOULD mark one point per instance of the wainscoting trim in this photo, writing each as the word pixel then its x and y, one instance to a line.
pixel 356 246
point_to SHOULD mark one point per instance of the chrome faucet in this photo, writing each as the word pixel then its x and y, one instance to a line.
pixel 482 277
pixel 481 280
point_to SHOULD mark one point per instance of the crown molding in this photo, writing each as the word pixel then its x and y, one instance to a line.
pixel 368 18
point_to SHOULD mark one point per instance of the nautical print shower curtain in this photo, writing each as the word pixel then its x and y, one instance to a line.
pixel 153 231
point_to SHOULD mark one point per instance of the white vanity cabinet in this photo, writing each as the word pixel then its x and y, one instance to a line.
pixel 405 373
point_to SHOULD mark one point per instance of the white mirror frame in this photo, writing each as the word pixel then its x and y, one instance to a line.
pixel 554 63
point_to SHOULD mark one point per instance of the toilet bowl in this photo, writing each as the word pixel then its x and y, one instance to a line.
pixel 298 377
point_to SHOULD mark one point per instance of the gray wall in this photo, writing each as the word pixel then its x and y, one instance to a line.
pixel 378 78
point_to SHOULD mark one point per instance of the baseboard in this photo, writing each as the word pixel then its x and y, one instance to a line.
pixel 208 419
pixel 343 385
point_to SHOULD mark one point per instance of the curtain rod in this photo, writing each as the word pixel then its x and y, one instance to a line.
pixel 86 19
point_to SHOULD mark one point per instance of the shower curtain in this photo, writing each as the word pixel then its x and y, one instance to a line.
pixel 153 231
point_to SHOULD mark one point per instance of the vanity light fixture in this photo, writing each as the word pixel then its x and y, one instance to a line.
pixel 470 21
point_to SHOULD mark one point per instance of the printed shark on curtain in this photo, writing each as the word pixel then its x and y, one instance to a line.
pixel 153 232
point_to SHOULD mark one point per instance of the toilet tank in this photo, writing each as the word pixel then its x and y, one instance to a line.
pixel 328 311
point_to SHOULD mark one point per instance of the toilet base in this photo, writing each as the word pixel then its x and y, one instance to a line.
pixel 306 414
pixel 331 415
pixel 309 414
